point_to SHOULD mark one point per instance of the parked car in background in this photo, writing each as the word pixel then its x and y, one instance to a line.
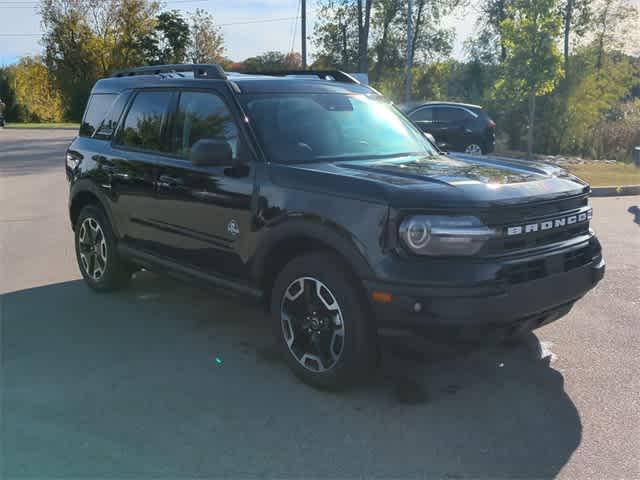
pixel 458 127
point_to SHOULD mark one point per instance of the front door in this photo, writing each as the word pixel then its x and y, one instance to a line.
pixel 203 213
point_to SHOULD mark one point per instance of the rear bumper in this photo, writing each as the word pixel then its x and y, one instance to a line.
pixel 495 304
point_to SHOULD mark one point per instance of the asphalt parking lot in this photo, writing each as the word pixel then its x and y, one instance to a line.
pixel 167 380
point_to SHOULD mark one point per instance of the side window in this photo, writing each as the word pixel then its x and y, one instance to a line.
pixel 202 115
pixel 142 127
pixel 450 115
pixel 110 123
pixel 423 115
pixel 97 108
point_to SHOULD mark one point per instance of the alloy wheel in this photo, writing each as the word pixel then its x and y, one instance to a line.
pixel 312 324
pixel 473 149
pixel 92 246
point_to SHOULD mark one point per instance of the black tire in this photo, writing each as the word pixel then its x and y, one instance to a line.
pixel 358 342
pixel 115 273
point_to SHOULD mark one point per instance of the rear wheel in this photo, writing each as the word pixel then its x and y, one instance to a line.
pixel 98 259
pixel 473 149
pixel 321 322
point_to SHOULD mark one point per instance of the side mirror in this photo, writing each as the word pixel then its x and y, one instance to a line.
pixel 430 137
pixel 209 152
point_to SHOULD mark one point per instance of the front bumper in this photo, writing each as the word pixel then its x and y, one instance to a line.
pixel 492 304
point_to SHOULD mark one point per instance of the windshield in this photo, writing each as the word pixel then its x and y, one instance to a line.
pixel 297 128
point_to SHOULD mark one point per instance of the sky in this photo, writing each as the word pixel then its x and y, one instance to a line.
pixel 272 26
pixel 250 27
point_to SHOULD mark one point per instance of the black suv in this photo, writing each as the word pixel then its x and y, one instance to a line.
pixel 313 193
pixel 457 127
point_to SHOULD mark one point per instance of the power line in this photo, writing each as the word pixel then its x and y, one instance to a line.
pixel 30 2
pixel 246 22
pixel 294 26
pixel 268 20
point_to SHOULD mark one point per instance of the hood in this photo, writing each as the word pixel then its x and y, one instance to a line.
pixel 416 181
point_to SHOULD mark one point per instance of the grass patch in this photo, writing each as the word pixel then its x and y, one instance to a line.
pixel 600 174
pixel 75 126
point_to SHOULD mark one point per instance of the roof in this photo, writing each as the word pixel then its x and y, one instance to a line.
pixel 247 83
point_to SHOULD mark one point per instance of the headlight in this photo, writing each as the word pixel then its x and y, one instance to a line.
pixel 73 161
pixel 440 236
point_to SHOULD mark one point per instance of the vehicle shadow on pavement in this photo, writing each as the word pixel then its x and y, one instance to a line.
pixel 165 380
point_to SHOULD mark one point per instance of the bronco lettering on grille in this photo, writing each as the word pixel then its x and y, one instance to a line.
pixel 549 224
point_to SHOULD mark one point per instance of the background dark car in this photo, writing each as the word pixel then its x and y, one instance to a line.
pixel 458 127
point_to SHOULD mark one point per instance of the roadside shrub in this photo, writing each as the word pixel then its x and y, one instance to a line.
pixel 615 139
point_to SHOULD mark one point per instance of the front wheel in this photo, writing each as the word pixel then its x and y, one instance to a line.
pixel 321 322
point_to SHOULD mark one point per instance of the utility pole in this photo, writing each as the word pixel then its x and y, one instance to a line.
pixel 303 25
pixel 407 84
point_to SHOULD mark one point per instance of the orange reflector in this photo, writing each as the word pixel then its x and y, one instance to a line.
pixel 381 297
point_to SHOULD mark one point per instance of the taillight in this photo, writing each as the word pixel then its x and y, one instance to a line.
pixel 492 124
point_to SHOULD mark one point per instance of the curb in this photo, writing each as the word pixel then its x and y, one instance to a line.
pixel 615 191
pixel 40 128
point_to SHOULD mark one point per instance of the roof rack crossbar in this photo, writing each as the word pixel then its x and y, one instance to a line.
pixel 210 70
pixel 336 75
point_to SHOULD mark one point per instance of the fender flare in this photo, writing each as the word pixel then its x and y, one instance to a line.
pixel 320 231
pixel 85 185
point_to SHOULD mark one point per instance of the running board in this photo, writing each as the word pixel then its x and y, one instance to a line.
pixel 153 262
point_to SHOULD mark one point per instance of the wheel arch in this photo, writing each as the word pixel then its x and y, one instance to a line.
pixel 84 193
pixel 299 237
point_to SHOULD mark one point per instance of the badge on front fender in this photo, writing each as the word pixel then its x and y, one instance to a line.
pixel 233 228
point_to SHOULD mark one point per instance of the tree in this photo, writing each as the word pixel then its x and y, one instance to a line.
pixel 387 41
pixel 431 40
pixel 533 63
pixel 272 61
pixel 335 36
pixel 576 15
pixel 207 43
pixel 613 21
pixel 34 92
pixel 73 54
pixel 172 38
pixel 86 40
pixel 7 93
pixel 364 23
pixel 135 33
pixel 489 45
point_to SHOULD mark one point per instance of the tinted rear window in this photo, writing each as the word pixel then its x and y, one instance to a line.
pixel 142 128
pixel 110 123
pixel 446 114
pixel 99 105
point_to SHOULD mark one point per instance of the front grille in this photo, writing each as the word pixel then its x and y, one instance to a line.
pixel 577 258
pixel 505 245
pixel 527 271
pixel 545 230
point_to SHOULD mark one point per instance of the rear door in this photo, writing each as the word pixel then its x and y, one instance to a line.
pixel 455 123
pixel 203 213
pixel 131 165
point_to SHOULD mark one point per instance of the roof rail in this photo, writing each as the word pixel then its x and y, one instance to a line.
pixel 335 75
pixel 210 70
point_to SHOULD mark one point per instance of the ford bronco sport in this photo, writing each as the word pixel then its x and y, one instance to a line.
pixel 313 193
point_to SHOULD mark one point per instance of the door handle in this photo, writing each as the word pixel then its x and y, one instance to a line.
pixel 167 181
